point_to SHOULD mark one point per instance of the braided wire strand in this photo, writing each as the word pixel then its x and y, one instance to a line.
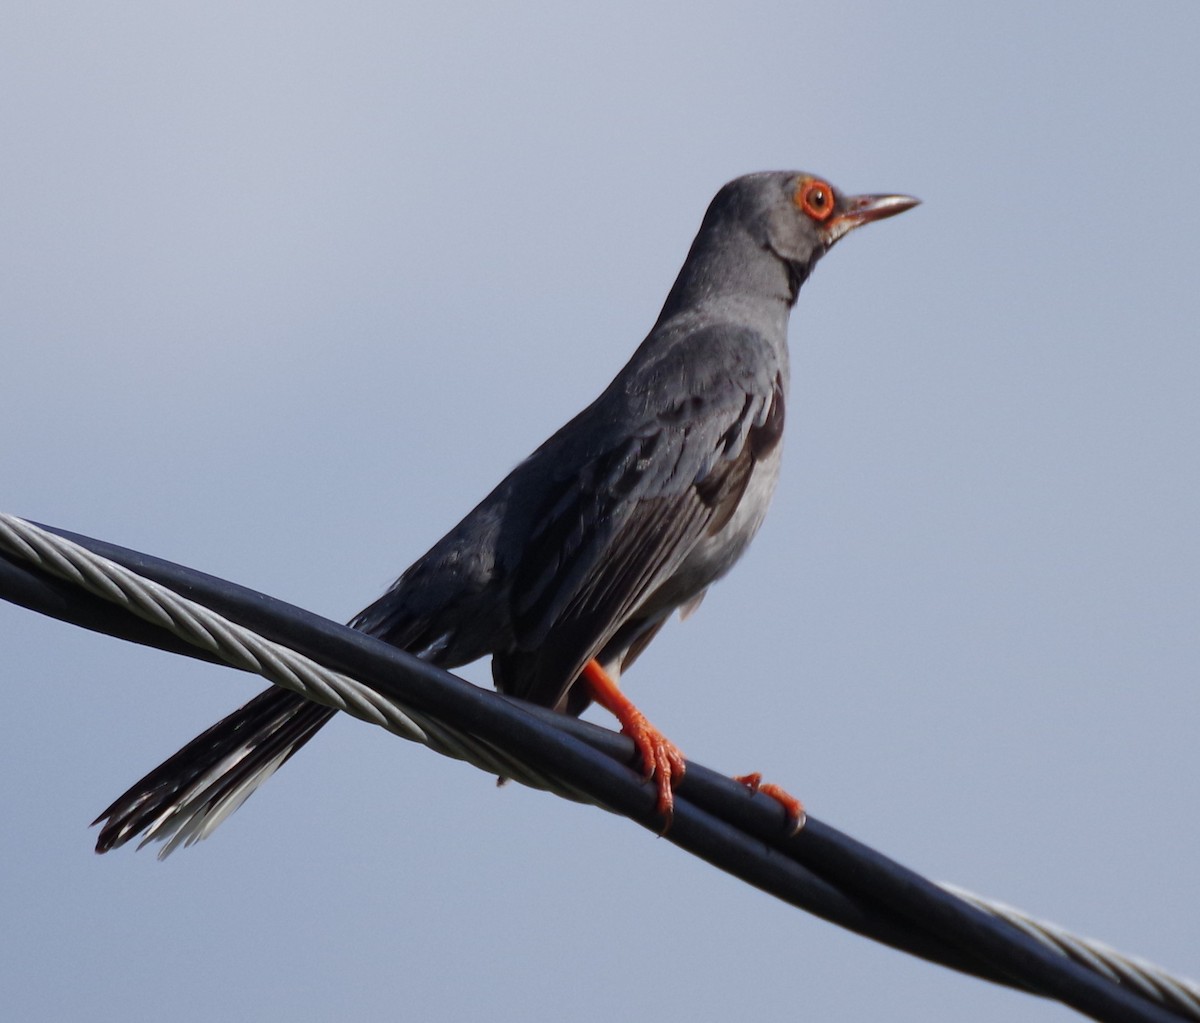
pixel 243 648
pixel 1179 994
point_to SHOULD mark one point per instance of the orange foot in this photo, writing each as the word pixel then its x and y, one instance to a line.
pixel 661 759
pixel 791 805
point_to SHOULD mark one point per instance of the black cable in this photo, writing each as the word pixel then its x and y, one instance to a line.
pixel 820 869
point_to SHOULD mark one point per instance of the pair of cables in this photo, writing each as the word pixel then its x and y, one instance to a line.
pixel 139 598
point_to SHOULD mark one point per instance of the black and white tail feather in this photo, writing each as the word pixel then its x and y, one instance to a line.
pixel 185 798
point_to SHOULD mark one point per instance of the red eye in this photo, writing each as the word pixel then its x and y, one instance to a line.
pixel 815 198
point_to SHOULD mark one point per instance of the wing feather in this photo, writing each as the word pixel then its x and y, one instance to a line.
pixel 612 533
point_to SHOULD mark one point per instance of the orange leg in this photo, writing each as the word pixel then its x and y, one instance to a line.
pixel 791 805
pixel 661 758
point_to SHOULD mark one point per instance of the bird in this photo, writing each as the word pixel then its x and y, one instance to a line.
pixel 574 562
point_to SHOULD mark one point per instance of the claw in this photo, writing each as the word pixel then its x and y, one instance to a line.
pixel 794 809
pixel 662 761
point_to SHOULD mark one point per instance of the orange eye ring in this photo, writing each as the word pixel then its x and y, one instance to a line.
pixel 815 198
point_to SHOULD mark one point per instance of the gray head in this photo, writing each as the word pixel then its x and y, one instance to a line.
pixel 763 233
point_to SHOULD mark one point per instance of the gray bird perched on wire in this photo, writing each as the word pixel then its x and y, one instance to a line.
pixel 573 563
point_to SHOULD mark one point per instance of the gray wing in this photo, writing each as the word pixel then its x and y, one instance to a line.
pixel 611 534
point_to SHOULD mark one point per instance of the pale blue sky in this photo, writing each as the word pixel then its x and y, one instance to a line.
pixel 286 288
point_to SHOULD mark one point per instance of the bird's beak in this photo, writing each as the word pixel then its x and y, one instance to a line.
pixel 856 210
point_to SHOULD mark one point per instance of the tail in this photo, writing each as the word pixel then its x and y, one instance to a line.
pixel 183 799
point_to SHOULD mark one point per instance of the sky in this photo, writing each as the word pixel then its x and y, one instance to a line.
pixel 287 288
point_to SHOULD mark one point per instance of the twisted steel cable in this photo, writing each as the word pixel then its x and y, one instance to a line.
pixel 1176 993
pixel 243 648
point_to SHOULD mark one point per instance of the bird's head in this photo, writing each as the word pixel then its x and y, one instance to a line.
pixel 790 217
